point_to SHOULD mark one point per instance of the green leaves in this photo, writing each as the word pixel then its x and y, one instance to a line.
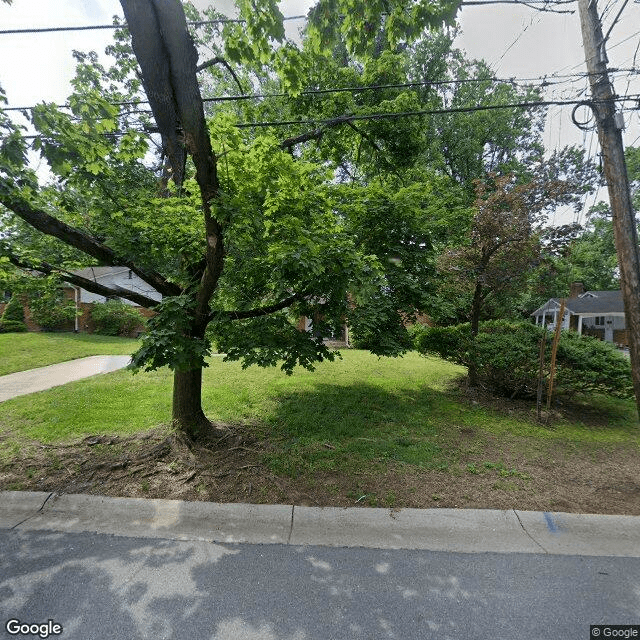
pixel 168 340
pixel 13 149
pixel 506 358
pixel 270 341
pixel 361 25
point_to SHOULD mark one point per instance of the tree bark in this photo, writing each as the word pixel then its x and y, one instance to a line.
pixel 188 415
pixel 476 307
pixel 615 171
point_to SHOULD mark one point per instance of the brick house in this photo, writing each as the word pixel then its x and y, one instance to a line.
pixel 112 277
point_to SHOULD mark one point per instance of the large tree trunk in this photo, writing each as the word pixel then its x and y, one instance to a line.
pixel 188 415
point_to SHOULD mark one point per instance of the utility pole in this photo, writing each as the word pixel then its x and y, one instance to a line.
pixel 609 125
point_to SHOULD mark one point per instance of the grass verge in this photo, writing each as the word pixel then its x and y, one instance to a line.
pixel 22 351
pixel 363 430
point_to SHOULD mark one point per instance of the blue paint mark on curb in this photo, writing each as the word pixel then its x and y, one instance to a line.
pixel 551 525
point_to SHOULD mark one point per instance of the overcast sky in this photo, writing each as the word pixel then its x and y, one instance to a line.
pixel 515 40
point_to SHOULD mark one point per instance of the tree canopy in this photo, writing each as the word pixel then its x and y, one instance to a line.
pixel 272 179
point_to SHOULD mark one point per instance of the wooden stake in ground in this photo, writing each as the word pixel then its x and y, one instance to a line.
pixel 554 351
pixel 543 344
pixel 609 125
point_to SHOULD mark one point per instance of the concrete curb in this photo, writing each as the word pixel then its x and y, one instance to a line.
pixel 457 530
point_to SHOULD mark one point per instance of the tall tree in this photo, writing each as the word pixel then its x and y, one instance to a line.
pixel 243 233
pixel 504 241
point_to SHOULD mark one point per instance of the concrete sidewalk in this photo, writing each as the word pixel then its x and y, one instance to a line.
pixel 453 530
pixel 24 382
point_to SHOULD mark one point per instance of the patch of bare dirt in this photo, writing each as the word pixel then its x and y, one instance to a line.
pixel 488 473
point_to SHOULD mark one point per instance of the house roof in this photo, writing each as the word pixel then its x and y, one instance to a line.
pixel 97 273
pixel 590 302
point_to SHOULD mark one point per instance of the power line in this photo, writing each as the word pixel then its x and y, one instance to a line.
pixel 513 44
pixel 91 27
pixel 198 23
pixel 345 119
pixel 545 81
pixel 615 20
pixel 405 114
pixel 423 112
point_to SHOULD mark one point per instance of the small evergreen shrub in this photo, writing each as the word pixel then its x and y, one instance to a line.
pixel 115 318
pixel 11 326
pixel 13 317
pixel 506 356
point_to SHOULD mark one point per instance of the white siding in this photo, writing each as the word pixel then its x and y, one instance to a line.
pixel 125 279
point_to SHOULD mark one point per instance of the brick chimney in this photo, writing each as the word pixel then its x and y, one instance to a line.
pixel 577 289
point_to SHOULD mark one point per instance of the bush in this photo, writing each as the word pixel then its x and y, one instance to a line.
pixel 52 312
pixel 12 326
pixel 13 317
pixel 115 318
pixel 506 356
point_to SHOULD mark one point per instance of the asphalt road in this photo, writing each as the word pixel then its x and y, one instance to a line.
pixel 99 586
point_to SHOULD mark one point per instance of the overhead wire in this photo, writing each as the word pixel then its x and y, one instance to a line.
pixel 400 114
pixel 615 20
pixel 196 23
pixel 513 44
pixel 543 82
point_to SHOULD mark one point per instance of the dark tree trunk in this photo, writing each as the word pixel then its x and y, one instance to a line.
pixel 476 307
pixel 188 415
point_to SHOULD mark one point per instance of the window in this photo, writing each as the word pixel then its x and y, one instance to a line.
pixel 599 321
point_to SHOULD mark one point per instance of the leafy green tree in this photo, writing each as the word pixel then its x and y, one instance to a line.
pixel 592 257
pixel 235 232
pixel 504 241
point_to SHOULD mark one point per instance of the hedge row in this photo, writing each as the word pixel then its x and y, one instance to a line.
pixel 507 360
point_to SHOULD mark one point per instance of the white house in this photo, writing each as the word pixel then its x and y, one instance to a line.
pixel 114 277
pixel 595 313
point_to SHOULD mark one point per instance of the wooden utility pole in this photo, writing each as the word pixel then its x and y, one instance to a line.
pixel 554 352
pixel 609 125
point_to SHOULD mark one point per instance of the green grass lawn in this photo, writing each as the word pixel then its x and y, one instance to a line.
pixel 22 351
pixel 355 412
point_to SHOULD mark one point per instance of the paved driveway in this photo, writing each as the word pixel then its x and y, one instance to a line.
pixel 23 382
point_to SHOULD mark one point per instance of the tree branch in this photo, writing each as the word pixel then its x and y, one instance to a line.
pixel 162 27
pixel 544 8
pixel 90 285
pixel 49 225
pixel 366 136
pixel 261 311
pixel 222 61
pixel 152 56
pixel 316 133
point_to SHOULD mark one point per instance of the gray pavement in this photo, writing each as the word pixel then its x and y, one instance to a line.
pixel 135 569
pixel 24 382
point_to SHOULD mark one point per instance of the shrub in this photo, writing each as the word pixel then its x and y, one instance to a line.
pixel 115 318
pixel 13 317
pixel 11 326
pixel 506 356
pixel 52 312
